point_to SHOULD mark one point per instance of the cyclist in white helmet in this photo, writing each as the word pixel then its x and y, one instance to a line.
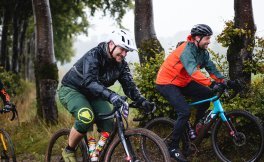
pixel 85 93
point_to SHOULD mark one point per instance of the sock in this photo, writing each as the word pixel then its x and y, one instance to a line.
pixel 69 149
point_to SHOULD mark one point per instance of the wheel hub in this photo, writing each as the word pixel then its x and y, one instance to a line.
pixel 239 139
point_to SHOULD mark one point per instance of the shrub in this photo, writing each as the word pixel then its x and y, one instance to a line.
pixel 145 76
pixel 12 82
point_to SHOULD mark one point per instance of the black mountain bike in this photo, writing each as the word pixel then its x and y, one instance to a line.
pixel 236 135
pixel 128 145
pixel 7 149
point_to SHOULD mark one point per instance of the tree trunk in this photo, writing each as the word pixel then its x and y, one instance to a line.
pixel 16 31
pixel 238 52
pixel 4 40
pixel 46 71
pixel 145 34
pixel 23 52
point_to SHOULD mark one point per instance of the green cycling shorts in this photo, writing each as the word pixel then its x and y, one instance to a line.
pixel 85 111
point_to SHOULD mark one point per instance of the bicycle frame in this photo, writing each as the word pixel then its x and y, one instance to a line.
pixel 3 141
pixel 216 112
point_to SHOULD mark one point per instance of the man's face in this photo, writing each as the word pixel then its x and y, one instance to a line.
pixel 119 54
pixel 204 42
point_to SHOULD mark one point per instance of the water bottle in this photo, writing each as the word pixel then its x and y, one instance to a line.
pixel 99 146
pixel 191 131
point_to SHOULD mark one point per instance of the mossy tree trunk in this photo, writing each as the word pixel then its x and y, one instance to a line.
pixel 46 71
pixel 145 35
pixel 240 50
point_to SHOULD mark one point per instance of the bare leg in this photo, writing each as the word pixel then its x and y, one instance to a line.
pixel 74 138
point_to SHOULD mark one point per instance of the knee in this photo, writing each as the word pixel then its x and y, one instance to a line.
pixel 184 114
pixel 84 120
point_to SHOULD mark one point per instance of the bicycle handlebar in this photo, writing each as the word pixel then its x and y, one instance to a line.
pixel 238 88
pixel 110 114
pixel 13 110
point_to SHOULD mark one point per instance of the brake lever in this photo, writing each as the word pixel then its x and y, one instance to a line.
pixel 226 93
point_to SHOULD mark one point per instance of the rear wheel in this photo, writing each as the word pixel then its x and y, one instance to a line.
pixel 6 147
pixel 145 145
pixel 164 128
pixel 58 142
pixel 246 146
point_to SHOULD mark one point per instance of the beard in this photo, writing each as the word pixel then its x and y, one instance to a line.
pixel 204 46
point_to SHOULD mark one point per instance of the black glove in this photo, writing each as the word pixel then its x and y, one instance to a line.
pixel 8 107
pixel 120 102
pixel 117 100
pixel 149 107
pixel 234 84
pixel 218 87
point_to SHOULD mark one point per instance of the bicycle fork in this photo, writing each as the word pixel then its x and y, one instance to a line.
pixel 228 123
pixel 126 143
pixel 3 154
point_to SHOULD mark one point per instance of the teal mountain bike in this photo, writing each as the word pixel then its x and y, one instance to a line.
pixel 236 135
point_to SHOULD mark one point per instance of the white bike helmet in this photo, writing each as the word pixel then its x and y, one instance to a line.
pixel 123 39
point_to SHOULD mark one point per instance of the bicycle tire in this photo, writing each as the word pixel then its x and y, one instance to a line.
pixel 157 150
pixel 248 147
pixel 58 142
pixel 6 147
pixel 163 127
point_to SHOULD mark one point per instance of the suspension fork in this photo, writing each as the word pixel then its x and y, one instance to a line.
pixel 126 143
pixel 228 123
pixel 3 141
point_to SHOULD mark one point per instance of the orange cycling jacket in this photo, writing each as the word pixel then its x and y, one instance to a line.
pixel 184 64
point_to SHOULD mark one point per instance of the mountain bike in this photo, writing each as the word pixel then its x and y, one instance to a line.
pixel 130 145
pixel 236 135
pixel 7 149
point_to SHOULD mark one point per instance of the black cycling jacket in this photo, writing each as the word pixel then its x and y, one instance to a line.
pixel 95 71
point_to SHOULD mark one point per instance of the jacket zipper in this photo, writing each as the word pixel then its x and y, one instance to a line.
pixel 174 78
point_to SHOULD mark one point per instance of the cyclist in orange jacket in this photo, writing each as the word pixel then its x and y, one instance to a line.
pixel 180 75
pixel 5 97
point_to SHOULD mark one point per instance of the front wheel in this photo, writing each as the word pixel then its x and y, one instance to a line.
pixel 6 147
pixel 246 145
pixel 144 144
pixel 58 142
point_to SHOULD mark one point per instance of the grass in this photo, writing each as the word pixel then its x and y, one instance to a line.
pixel 29 133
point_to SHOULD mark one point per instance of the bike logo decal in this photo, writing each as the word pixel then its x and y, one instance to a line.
pixel 85 115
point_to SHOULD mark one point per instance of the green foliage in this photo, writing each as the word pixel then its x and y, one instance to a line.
pixel 230 34
pixel 253 101
pixel 256 65
pixel 70 19
pixel 220 62
pixel 149 48
pixel 12 82
pixel 116 8
pixel 145 76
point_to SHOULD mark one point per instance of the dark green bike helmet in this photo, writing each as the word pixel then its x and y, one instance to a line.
pixel 201 30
